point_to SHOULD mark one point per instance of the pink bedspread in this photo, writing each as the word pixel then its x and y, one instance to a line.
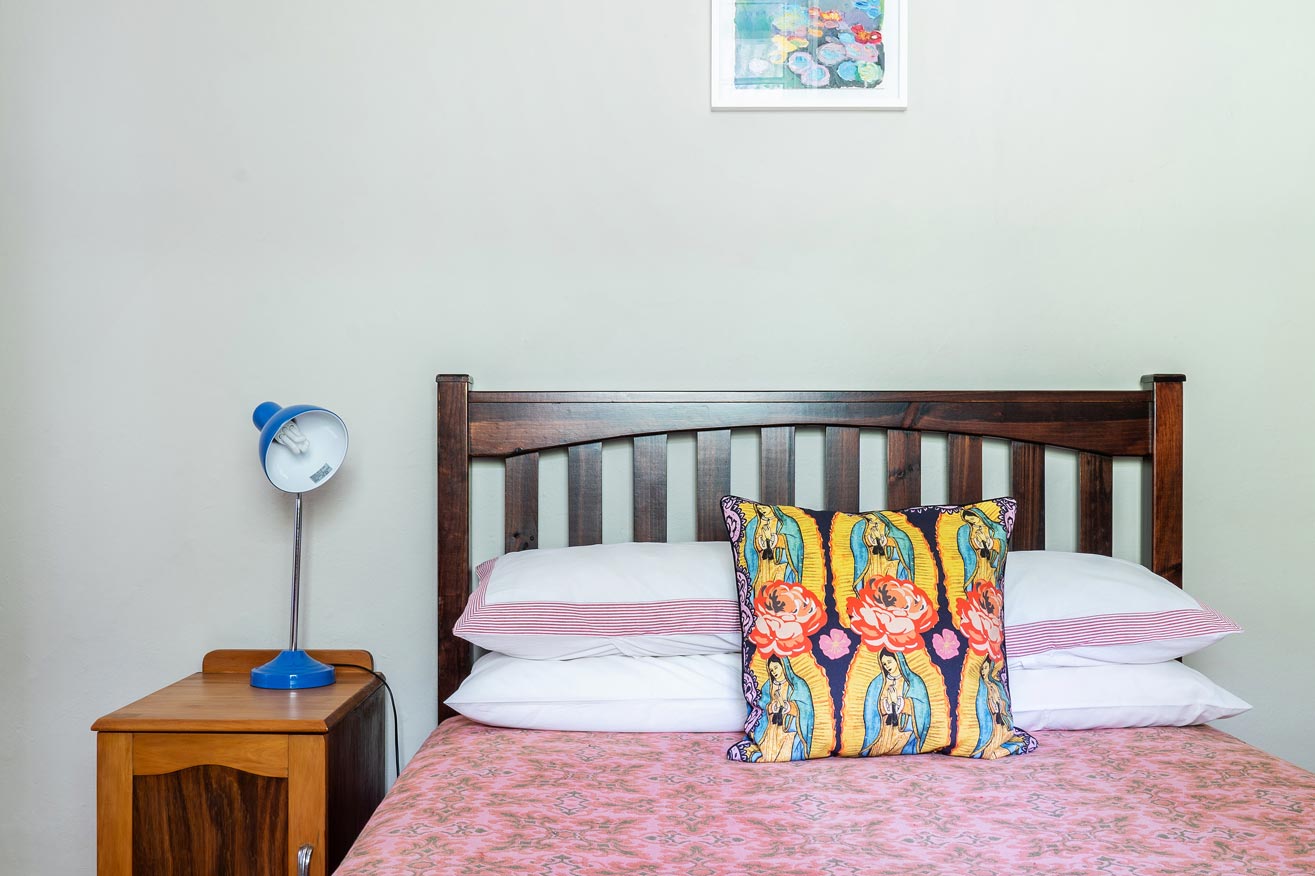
pixel 482 800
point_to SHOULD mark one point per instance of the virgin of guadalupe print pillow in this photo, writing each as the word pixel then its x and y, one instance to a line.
pixel 872 634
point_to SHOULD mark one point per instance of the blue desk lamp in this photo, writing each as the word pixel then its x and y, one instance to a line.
pixel 301 447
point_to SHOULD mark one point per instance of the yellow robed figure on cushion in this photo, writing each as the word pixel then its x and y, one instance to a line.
pixel 880 549
pixel 773 547
pixel 785 730
pixel 898 717
pixel 982 546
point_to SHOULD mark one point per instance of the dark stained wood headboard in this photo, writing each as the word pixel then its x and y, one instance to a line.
pixel 517 426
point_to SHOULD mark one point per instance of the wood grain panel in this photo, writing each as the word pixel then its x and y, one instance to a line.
pixel 356 782
pixel 650 488
pixel 307 799
pixel 584 494
pixel 209 819
pixel 520 520
pixel 114 804
pixel 263 754
pixel 1095 504
pixel 1027 479
pixel 841 468
pixel 776 466
pixel 713 480
pixel 1166 513
pixel 964 469
pixel 903 469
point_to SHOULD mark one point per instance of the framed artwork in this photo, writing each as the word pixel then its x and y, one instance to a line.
pixel 835 54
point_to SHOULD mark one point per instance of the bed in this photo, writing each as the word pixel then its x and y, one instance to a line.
pixel 480 799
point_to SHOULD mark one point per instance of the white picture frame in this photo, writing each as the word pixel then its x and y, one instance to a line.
pixel 816 54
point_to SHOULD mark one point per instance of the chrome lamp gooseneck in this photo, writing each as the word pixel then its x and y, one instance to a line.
pixel 301 448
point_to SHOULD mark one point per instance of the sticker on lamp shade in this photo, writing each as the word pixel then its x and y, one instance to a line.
pixel 324 472
pixel 836 54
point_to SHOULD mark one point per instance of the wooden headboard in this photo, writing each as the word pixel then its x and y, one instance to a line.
pixel 517 426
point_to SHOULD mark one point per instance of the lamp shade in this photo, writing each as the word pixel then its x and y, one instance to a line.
pixel 325 437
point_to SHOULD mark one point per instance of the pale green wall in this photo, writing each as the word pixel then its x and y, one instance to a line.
pixel 208 204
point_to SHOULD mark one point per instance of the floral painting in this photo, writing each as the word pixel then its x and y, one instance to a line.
pixel 837 54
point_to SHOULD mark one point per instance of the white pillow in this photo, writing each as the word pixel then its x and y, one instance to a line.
pixel 699 693
pixel 1136 695
pixel 1065 609
pixel 639 599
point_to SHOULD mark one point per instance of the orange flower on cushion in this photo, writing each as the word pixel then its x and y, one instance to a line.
pixel 892 614
pixel 981 617
pixel 785 615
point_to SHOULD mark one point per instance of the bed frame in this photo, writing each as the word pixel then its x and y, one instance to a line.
pixel 517 426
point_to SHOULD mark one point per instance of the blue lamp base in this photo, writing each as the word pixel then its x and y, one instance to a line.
pixel 292 670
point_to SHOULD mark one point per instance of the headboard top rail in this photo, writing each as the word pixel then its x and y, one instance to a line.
pixel 1046 396
pixel 1113 424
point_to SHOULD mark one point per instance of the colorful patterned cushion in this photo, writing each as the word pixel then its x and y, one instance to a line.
pixel 875 633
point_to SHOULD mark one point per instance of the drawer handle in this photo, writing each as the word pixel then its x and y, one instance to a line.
pixel 303 859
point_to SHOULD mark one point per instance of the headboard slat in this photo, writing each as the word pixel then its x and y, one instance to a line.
pixel 965 469
pixel 650 488
pixel 903 468
pixel 777 465
pixel 713 452
pixel 1095 504
pixel 1027 483
pixel 520 518
pixel 584 494
pixel 841 468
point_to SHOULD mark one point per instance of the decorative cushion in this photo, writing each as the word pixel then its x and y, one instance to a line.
pixel 699 693
pixel 874 633
pixel 1113 695
pixel 637 599
pixel 1069 609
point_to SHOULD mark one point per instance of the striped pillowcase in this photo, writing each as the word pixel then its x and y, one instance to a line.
pixel 657 600
pixel 1058 613
pixel 594 619
pixel 1107 630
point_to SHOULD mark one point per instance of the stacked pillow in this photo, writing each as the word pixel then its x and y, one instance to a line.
pixel 1094 642
pixel 647 637
pixel 621 637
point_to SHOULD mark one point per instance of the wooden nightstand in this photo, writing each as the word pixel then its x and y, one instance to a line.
pixel 212 776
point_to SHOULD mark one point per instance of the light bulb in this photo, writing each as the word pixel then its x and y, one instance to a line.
pixel 291 437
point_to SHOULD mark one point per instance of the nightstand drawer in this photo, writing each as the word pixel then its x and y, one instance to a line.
pixel 263 754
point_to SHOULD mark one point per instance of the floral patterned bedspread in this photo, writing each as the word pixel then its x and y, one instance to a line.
pixel 1145 802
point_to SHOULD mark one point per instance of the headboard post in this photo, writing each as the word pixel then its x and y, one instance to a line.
pixel 454 655
pixel 1166 511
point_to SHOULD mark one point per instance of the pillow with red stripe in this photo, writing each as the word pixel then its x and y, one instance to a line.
pixel 636 599
pixel 1068 609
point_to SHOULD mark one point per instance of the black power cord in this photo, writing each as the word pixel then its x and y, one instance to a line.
pixel 397 748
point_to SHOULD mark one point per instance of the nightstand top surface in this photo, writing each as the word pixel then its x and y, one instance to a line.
pixel 225 702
